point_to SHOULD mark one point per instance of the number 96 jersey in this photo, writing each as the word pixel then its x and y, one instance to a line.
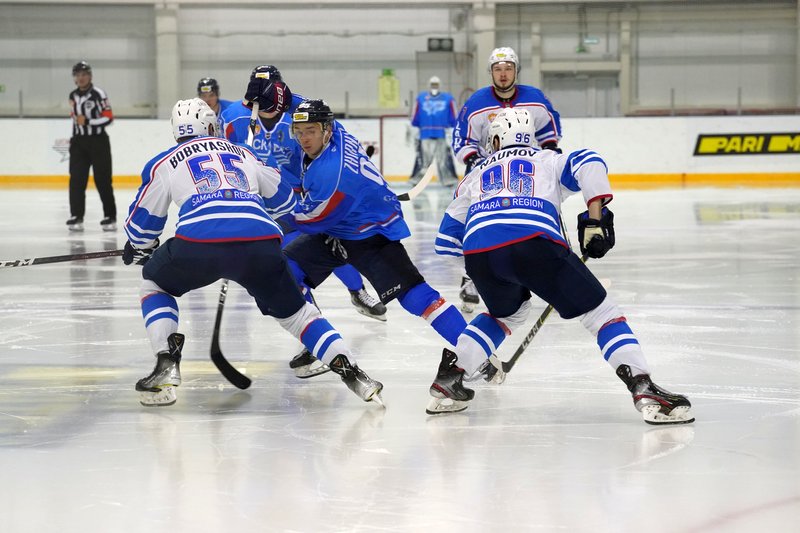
pixel 515 195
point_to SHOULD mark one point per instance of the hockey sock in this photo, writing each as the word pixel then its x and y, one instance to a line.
pixel 160 313
pixel 480 339
pixel 350 277
pixel 615 338
pixel 620 346
pixel 316 334
pixel 422 300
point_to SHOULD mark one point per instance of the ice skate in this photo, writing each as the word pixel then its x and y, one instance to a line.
pixel 108 224
pixel 75 224
pixel 448 391
pixel 658 406
pixel 490 371
pixel 305 365
pixel 158 389
pixel 356 380
pixel 367 305
pixel 469 295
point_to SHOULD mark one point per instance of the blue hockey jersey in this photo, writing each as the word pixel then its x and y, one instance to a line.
pixel 480 109
pixel 344 195
pixel 434 114
pixel 223 192
pixel 515 195
pixel 276 147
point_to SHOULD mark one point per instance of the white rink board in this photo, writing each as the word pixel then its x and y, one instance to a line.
pixel 629 145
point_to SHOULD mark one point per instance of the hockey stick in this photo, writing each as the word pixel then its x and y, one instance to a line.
pixel 59 258
pixel 419 187
pixel 236 378
pixel 508 365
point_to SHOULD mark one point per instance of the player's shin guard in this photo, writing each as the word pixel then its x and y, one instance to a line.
pixel 422 300
pixel 316 333
pixel 160 313
pixel 616 340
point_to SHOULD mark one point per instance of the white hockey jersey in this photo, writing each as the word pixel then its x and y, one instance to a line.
pixel 224 192
pixel 515 195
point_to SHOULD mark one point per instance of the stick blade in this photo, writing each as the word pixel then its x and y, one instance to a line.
pixel 419 187
pixel 236 378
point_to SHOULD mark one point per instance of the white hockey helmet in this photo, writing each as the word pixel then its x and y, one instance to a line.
pixel 513 127
pixel 433 84
pixel 504 54
pixel 193 118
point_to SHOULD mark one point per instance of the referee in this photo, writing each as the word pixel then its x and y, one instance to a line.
pixel 89 147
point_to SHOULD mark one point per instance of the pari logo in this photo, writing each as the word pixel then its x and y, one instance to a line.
pixel 747 144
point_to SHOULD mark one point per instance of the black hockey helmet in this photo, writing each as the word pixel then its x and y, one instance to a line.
pixel 268 72
pixel 313 111
pixel 81 66
pixel 207 85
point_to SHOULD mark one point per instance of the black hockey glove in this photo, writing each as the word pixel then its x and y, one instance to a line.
pixel 337 249
pixel 139 256
pixel 596 237
pixel 551 145
pixel 473 161
pixel 271 95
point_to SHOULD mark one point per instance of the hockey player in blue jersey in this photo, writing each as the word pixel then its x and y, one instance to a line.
pixel 274 144
pixel 469 136
pixel 348 214
pixel 506 220
pixel 226 198
pixel 208 91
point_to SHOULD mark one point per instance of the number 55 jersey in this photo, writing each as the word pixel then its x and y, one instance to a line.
pixel 515 195
pixel 223 192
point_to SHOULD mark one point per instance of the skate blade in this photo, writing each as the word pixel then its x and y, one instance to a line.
pixel 377 398
pixel 309 371
pixel 680 415
pixel 162 398
pixel 366 313
pixel 439 406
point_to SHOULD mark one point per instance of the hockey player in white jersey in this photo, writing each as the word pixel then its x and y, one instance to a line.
pixel 478 112
pixel 505 219
pixel 227 199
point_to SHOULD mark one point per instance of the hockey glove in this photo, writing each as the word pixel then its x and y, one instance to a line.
pixel 271 95
pixel 337 249
pixel 551 145
pixel 139 256
pixel 596 237
pixel 473 161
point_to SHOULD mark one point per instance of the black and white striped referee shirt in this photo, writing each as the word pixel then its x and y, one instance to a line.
pixel 93 103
